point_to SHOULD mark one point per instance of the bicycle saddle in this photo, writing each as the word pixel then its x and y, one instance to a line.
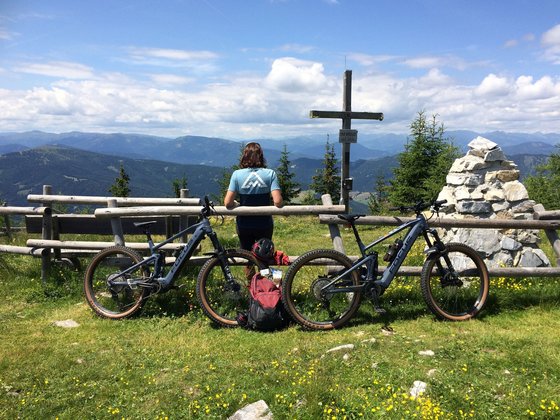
pixel 144 224
pixel 350 217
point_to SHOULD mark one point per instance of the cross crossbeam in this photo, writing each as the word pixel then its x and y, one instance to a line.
pixel 347 115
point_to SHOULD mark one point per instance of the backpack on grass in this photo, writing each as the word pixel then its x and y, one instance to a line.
pixel 266 312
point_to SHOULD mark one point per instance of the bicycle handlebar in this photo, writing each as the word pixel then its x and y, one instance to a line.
pixel 421 206
pixel 207 207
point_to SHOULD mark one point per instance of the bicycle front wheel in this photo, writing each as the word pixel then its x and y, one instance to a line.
pixel 456 291
pixel 109 291
pixel 220 300
pixel 311 299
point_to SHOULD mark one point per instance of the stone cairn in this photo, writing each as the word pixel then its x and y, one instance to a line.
pixel 484 184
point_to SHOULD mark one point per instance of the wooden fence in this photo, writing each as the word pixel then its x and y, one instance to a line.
pixel 52 247
pixel 118 209
pixel 542 220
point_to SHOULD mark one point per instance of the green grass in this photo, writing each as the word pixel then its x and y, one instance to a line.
pixel 171 362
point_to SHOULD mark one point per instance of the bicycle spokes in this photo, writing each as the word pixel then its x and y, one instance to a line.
pixel 455 284
pixel 114 284
pixel 317 296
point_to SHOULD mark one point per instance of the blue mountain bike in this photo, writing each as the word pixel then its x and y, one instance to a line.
pixel 323 288
pixel 119 280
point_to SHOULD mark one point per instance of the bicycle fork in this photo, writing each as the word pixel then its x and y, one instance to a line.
pixel 438 249
pixel 231 284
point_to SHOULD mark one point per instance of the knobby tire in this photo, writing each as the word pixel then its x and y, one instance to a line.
pixel 456 298
pixel 218 300
pixel 114 302
pixel 302 293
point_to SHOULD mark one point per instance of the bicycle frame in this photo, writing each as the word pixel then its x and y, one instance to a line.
pixel 418 226
pixel 199 231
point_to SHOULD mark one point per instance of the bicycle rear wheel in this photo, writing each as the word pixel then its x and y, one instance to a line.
pixel 457 292
pixel 306 297
pixel 107 299
pixel 219 300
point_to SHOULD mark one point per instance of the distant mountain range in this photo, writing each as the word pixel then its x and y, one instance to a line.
pixel 79 163
pixel 196 150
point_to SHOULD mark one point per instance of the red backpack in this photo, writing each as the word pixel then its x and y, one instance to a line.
pixel 266 312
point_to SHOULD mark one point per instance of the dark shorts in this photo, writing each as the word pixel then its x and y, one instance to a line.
pixel 248 236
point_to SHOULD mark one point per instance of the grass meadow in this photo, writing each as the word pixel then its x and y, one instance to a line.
pixel 172 363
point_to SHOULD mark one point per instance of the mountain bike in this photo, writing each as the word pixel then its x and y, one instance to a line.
pixel 323 288
pixel 119 280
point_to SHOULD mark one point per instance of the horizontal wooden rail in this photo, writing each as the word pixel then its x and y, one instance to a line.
pixel 22 250
pixel 91 245
pixel 121 201
pixel 24 210
pixel 448 222
pixel 415 271
pixel 546 214
pixel 519 272
pixel 242 210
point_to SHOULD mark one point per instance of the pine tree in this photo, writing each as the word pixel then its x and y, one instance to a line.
pixel 377 202
pixel 121 188
pixel 326 179
pixel 543 187
pixel 424 164
pixel 178 185
pixel 285 178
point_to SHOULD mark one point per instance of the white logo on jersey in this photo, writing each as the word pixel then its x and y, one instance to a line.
pixel 253 181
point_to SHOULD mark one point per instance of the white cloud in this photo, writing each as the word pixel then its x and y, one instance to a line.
pixel 297 48
pixel 515 42
pixel 200 61
pixel 428 62
pixel 493 85
pixel 293 75
pixel 370 60
pixel 6 35
pixel 170 79
pixel 435 78
pixel 544 88
pixel 57 69
pixel 171 54
pixel 551 42
pixel 275 104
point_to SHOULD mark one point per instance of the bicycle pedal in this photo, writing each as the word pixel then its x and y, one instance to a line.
pixel 380 310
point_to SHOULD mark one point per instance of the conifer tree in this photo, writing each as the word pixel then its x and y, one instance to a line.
pixel 120 187
pixel 543 187
pixel 377 202
pixel 424 164
pixel 178 185
pixel 285 178
pixel 327 180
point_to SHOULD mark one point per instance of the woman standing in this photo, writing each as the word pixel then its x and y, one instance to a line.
pixel 253 184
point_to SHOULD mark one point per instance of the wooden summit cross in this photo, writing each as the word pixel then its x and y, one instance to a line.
pixel 346 134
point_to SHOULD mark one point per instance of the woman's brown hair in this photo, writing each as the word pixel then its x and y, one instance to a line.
pixel 252 157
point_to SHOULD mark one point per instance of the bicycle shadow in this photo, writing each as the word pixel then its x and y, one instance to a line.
pixel 496 305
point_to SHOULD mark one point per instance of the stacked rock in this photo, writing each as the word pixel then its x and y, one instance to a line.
pixel 484 184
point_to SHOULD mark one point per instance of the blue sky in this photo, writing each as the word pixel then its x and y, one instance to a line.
pixel 255 68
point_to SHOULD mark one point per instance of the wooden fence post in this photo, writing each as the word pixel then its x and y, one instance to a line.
pixel 333 228
pixel 116 224
pixel 551 234
pixel 7 225
pixel 46 233
pixel 183 220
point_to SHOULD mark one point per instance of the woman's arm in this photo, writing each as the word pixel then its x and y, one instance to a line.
pixel 229 200
pixel 277 198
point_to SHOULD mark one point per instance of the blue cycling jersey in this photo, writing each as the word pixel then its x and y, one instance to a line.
pixel 253 185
